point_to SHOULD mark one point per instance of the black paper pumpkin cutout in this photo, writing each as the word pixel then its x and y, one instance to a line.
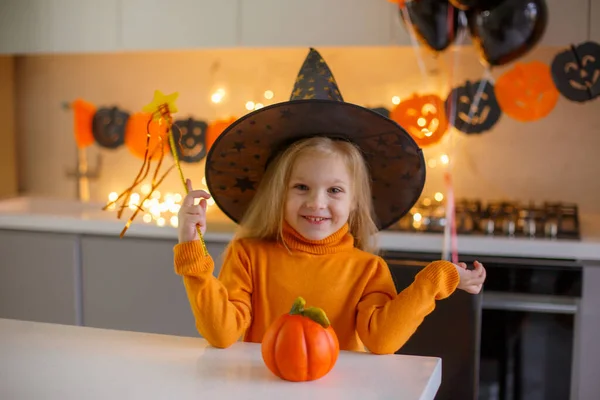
pixel 108 127
pixel 190 140
pixel 469 116
pixel 576 72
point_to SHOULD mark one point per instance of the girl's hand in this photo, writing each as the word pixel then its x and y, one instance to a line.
pixel 471 281
pixel 190 215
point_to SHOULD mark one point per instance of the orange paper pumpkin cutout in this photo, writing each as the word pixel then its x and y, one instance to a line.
pixel 527 91
pixel 301 345
pixel 83 115
pixel 215 129
pixel 136 136
pixel 423 117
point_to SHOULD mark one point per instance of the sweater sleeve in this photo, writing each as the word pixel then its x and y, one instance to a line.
pixel 221 307
pixel 386 320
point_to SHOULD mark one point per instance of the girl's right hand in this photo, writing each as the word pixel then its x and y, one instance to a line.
pixel 190 215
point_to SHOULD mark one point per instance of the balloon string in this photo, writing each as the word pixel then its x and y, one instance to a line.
pixel 450 241
pixel 414 42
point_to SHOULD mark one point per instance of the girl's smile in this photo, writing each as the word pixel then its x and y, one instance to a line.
pixel 319 196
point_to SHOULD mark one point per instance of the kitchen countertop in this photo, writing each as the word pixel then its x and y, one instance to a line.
pixel 68 216
pixel 43 361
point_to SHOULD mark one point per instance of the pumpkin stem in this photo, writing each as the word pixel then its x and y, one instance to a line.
pixel 298 306
pixel 314 313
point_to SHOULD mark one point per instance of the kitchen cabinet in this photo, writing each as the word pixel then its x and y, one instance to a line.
pixel 84 26
pixel 587 363
pixel 25 26
pixel 595 20
pixel 130 284
pixel 179 24
pixel 316 23
pixel 58 26
pixel 39 276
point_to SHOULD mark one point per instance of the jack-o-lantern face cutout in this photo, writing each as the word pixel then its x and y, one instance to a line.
pixel 190 140
pixel 526 92
pixel 108 127
pixel 576 72
pixel 473 107
pixel 423 117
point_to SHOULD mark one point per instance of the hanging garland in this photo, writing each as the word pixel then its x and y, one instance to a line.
pixel 529 91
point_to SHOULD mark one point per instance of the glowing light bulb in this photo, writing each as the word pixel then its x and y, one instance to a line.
pixel 156 195
pixel 426 202
pixel 250 105
pixel 396 100
pixel 438 196
pixel 146 188
pixel 160 221
pixel 147 218
pixel 258 105
pixel 217 96
pixel 174 221
pixel 417 217
pixel 444 159
pixel 268 94
pixel 113 196
pixel 177 198
pixel 421 122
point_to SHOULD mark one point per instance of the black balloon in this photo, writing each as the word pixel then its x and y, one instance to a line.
pixel 430 22
pixel 468 4
pixel 507 30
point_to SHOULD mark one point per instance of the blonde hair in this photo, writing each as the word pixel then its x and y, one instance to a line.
pixel 265 214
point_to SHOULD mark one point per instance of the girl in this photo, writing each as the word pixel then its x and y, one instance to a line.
pixel 306 231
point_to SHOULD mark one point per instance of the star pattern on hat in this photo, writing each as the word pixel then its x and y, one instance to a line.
pixel 315 81
pixel 239 146
pixel 244 184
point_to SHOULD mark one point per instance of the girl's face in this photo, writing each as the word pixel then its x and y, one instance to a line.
pixel 319 196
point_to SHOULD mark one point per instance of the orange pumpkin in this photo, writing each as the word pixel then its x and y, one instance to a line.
pixel 423 117
pixel 215 129
pixel 301 345
pixel 527 91
pixel 83 115
pixel 136 136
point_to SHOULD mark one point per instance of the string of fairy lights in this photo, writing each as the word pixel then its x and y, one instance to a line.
pixel 161 208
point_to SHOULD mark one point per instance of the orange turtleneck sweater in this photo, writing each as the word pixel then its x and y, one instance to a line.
pixel 260 280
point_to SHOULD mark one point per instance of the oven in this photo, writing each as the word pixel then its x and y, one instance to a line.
pixel 514 341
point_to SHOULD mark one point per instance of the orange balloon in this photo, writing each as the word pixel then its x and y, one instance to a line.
pixel 83 115
pixel 423 117
pixel 215 129
pixel 527 91
pixel 136 136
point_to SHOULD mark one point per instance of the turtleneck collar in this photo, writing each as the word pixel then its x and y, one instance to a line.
pixel 339 241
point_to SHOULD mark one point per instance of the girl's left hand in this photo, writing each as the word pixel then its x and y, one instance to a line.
pixel 471 281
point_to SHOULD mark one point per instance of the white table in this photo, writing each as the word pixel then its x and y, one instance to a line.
pixel 47 361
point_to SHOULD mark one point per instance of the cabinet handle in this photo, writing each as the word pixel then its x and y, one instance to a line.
pixel 529 302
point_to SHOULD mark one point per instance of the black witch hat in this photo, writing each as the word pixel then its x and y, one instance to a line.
pixel 237 160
